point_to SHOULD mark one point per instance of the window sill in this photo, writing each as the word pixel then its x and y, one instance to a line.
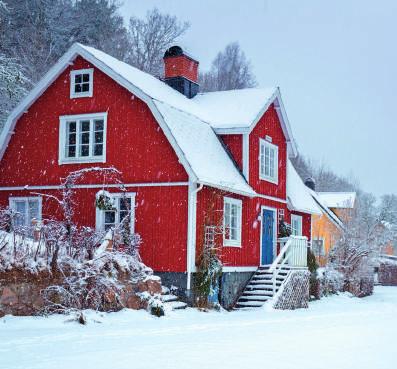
pixel 76 96
pixel 268 179
pixel 232 245
pixel 82 161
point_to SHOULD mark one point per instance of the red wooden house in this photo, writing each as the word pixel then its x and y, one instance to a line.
pixel 188 160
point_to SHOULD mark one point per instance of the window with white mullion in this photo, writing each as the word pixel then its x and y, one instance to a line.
pixel 232 222
pixel 268 161
pixel 83 138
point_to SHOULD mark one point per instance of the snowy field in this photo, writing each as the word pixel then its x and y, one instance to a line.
pixel 336 333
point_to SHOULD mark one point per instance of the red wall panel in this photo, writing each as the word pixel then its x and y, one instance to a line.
pixel 164 237
pixel 136 144
pixel 235 145
pixel 268 125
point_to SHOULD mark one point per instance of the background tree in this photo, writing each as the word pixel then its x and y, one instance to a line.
pixel 230 70
pixel 149 38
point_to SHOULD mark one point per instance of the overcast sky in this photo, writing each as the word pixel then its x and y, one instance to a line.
pixel 335 62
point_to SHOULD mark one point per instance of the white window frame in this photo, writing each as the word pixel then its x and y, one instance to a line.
pixel 100 214
pixel 232 202
pixel 264 143
pixel 294 231
pixel 12 200
pixel 63 120
pixel 89 93
pixel 323 246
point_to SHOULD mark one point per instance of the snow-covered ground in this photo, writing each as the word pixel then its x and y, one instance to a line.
pixel 337 332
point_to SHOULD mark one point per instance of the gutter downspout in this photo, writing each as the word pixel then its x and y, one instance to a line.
pixel 191 236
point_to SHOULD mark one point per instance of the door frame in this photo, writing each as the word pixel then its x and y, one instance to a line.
pixel 274 210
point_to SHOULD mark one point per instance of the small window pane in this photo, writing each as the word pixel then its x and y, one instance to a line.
pixel 77 88
pixel 98 150
pixel 33 210
pixel 77 78
pixel 72 139
pixel 85 150
pixel 72 126
pixel 85 125
pixel 85 87
pixel 110 217
pixel 86 77
pixel 98 137
pixel 99 125
pixel 71 153
pixel 85 138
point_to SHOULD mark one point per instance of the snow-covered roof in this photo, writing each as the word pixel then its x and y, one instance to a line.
pixel 298 194
pixel 328 212
pixel 224 112
pixel 203 150
pixel 196 144
pixel 344 200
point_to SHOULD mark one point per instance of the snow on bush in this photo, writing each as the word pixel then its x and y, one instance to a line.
pixel 86 265
pixel 331 281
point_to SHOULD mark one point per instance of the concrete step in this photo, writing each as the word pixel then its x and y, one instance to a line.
pixel 258 293
pixel 251 304
pixel 253 298
pixel 169 298
pixel 176 305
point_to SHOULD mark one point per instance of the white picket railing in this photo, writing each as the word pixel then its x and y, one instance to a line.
pixel 293 252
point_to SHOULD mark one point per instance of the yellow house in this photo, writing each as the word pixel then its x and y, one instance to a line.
pixel 326 228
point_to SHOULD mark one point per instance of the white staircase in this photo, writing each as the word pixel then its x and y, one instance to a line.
pixel 260 288
pixel 267 280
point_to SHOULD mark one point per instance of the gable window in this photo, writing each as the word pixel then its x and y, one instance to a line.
pixel 268 161
pixel 232 222
pixel 82 138
pixel 27 208
pixel 81 83
pixel 124 204
pixel 296 225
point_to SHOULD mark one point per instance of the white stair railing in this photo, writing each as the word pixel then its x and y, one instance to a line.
pixel 293 252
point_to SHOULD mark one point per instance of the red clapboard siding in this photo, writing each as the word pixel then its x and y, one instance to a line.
pixel 210 211
pixel 164 237
pixel 235 145
pixel 136 144
pixel 268 125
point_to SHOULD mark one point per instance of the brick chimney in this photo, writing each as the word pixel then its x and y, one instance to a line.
pixel 181 71
pixel 311 183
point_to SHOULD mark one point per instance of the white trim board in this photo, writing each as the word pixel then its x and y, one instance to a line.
pixel 112 185
pixel 231 269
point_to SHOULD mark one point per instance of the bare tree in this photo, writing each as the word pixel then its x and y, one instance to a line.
pixel 150 37
pixel 230 70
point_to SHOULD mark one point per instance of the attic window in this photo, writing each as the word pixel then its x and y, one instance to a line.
pixel 81 83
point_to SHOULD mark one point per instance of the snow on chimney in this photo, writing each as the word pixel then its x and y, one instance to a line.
pixel 181 71
pixel 311 183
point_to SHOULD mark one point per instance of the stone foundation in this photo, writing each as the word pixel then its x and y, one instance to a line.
pixel 20 292
pixel 295 292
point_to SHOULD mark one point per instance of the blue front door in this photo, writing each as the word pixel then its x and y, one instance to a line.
pixel 267 236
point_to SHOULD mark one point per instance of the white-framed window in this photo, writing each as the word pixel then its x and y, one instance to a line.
pixel 232 210
pixel 28 208
pixel 268 161
pixel 124 204
pixel 81 83
pixel 318 246
pixel 82 138
pixel 296 225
